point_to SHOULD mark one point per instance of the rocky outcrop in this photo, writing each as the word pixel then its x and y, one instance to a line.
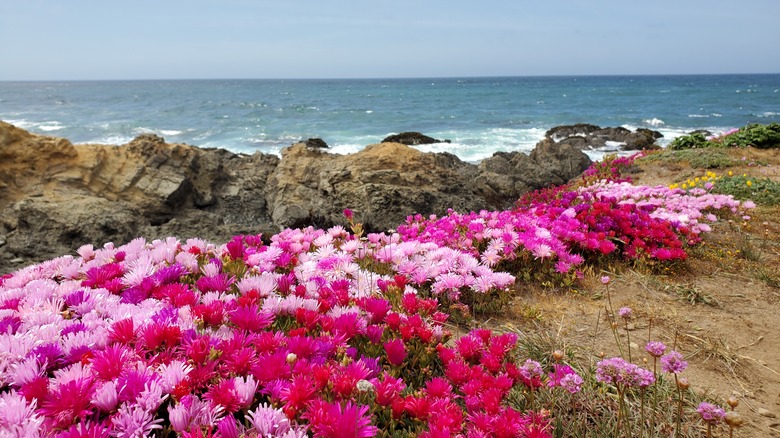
pixel 412 139
pixel 585 136
pixel 56 196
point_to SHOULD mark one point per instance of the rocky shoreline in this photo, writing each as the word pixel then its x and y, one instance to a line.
pixel 56 196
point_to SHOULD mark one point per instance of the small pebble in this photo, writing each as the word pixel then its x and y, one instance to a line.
pixel 765 413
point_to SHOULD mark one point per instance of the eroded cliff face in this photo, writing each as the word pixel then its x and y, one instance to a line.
pixel 56 196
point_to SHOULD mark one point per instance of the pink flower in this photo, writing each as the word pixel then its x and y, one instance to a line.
pixel 673 363
pixel 605 279
pixel 388 389
pixel 250 318
pixel 655 348
pixel 334 420
pixel 68 402
pixel 565 377
pixel 396 351
pixel 710 413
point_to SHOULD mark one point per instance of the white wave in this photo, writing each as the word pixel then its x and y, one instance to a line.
pixel 346 148
pixel 768 114
pixel 20 123
pixel 50 126
pixel 109 139
pixel 614 145
pixel 698 116
pixel 654 122
pixel 170 132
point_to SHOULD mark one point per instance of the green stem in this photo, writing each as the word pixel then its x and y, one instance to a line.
pixel 642 410
pixel 655 396
pixel 628 338
pixel 679 406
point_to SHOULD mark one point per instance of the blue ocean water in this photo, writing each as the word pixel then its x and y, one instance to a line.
pixel 479 115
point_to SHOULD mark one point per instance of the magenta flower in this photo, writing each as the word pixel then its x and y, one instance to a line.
pixel 673 363
pixel 68 402
pixel 531 373
pixel 625 312
pixel 565 377
pixel 337 420
pixel 396 351
pixel 655 348
pixel 388 389
pixel 250 318
pixel 618 371
pixel 710 413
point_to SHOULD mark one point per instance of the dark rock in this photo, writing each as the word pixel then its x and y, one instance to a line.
pixel 316 143
pixel 587 137
pixel 412 139
pixel 563 131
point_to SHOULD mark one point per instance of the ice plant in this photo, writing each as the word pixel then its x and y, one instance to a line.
pixel 282 336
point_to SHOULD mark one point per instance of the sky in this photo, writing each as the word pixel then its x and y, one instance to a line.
pixel 211 39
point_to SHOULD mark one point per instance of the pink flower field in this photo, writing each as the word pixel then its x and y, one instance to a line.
pixel 324 333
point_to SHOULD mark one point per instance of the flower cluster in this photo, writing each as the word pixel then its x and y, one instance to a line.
pixel 564 226
pixel 611 168
pixel 317 333
pixel 617 371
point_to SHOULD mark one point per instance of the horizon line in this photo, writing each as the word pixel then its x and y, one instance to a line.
pixel 388 77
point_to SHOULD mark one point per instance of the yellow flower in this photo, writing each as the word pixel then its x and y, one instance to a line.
pixel 749 183
pixel 731 173
pixel 685 186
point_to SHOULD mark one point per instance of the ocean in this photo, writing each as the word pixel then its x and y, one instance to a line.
pixel 478 115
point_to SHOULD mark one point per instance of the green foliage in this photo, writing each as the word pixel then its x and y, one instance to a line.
pixel 695 140
pixel 757 136
pixel 762 191
pixel 754 135
pixel 697 158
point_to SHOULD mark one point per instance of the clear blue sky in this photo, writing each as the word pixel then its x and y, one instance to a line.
pixel 160 39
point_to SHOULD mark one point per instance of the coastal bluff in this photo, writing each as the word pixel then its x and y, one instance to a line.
pixel 56 196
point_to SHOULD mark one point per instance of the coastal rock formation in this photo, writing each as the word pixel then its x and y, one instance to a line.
pixel 412 139
pixel 585 136
pixel 56 196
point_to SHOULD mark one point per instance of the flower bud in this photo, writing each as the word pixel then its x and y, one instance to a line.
pixel 557 355
pixel 683 383
pixel 733 402
pixel 733 419
pixel 364 386
pixel 291 358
